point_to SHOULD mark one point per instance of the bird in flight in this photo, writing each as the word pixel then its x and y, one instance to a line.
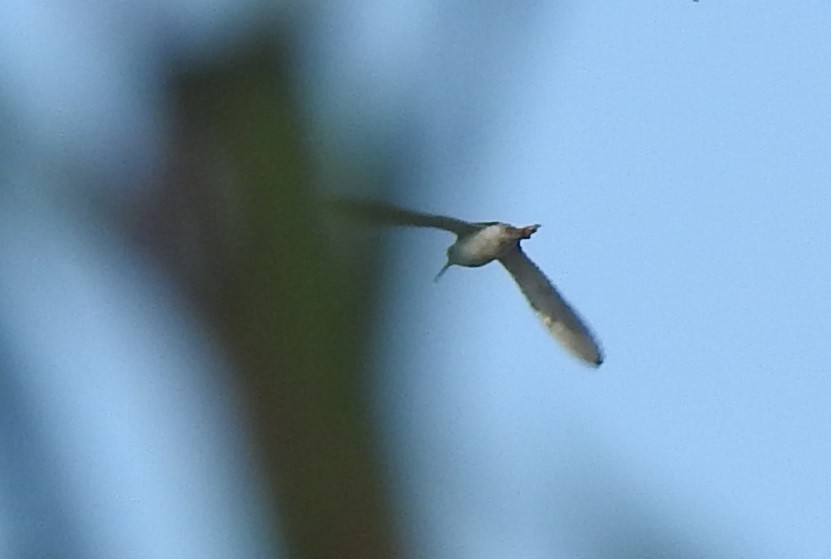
pixel 478 244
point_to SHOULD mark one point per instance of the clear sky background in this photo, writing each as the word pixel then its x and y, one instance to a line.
pixel 677 155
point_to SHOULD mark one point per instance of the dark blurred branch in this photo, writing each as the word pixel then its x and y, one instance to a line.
pixel 296 328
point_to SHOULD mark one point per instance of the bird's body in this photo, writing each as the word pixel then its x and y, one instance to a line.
pixel 478 244
pixel 487 244
pixel 479 248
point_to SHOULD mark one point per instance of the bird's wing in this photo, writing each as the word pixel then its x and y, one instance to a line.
pixel 553 310
pixel 385 214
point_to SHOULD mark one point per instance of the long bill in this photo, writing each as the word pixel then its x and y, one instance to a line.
pixel 442 271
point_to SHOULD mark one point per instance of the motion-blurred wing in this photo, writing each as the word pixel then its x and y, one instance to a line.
pixel 385 214
pixel 552 309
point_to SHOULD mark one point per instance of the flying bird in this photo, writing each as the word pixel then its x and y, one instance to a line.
pixel 478 244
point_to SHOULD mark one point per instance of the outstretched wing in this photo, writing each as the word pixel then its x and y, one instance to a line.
pixel 553 310
pixel 385 214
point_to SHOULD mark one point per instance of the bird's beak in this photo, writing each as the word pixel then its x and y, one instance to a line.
pixel 442 271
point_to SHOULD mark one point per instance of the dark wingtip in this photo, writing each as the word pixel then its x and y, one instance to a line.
pixel 597 361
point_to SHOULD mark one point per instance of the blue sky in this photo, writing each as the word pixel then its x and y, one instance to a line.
pixel 677 155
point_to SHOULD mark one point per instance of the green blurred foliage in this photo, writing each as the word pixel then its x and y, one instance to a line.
pixel 295 324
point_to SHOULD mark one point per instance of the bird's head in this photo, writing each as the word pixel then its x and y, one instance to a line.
pixel 452 259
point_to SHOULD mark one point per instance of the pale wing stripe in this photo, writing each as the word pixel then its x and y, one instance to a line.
pixel 553 310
